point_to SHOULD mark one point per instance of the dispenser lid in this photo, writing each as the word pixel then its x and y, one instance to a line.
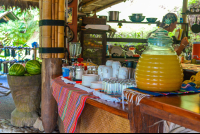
pixel 160 37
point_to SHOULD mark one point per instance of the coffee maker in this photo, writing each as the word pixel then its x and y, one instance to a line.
pixel 74 50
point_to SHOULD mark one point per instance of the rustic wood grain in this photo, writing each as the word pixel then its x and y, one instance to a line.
pixel 49 108
pixel 141 122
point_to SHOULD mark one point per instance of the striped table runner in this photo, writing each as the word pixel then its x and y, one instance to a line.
pixel 71 102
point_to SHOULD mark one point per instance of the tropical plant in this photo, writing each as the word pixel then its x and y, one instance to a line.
pixel 18 32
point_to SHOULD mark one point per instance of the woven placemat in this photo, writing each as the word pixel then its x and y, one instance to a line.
pixel 95 120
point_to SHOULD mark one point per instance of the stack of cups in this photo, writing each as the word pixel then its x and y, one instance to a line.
pixel 100 72
pixel 116 65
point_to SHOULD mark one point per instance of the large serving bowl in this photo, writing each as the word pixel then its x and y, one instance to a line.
pixel 137 14
pixel 136 18
pixel 151 19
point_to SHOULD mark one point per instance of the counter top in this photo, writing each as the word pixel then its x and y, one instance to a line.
pixel 183 110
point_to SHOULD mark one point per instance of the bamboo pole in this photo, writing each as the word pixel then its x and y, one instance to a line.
pixel 56 27
pixel 46 30
pixel 61 16
pixel 184 16
pixel 53 27
pixel 40 33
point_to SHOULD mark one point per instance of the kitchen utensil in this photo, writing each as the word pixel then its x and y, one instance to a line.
pixel 87 79
pixel 151 19
pixel 113 15
pixel 75 50
pixel 96 85
pixel 136 18
pixel 195 27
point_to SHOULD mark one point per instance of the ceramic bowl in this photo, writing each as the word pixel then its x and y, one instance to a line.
pixel 136 19
pixel 87 79
pixel 151 19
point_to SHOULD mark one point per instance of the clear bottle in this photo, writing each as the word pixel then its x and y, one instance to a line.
pixel 159 68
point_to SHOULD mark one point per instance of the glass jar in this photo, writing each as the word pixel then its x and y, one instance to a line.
pixel 159 68
pixel 79 72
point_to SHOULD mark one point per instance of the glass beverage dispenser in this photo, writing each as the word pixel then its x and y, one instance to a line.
pixel 159 68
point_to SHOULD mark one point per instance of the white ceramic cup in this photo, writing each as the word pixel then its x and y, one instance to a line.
pixel 123 73
pixel 100 72
pixel 107 72
pixel 116 65
pixel 109 63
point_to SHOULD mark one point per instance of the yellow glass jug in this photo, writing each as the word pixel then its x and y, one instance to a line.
pixel 159 68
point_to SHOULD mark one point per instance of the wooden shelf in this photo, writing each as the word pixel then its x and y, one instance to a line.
pixel 108 57
pixel 132 22
pixel 139 22
pixel 126 40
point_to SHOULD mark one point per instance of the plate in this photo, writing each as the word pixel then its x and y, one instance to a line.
pixel 96 85
pixel 129 53
pixel 117 50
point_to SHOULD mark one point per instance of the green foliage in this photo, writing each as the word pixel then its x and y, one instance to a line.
pixel 18 32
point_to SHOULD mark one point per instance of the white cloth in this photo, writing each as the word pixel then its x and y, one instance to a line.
pixel 68 81
pixel 89 90
pixel 105 97
pixel 170 127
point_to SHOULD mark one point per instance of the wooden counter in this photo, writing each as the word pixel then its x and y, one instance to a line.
pixel 183 110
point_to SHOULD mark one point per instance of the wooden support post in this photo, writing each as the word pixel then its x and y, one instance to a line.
pixel 49 108
pixel 141 122
pixel 184 16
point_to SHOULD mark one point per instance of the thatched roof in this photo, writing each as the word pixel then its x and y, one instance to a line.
pixel 87 5
pixel 23 4
pixel 90 5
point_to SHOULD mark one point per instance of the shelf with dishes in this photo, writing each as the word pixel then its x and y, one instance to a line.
pixel 157 22
pixel 120 57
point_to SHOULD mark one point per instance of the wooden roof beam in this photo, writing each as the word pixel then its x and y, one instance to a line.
pixel 90 3
pixel 109 5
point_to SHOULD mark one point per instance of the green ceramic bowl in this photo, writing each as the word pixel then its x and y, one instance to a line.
pixel 151 19
pixel 136 19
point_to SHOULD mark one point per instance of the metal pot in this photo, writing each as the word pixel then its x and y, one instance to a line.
pixel 113 15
